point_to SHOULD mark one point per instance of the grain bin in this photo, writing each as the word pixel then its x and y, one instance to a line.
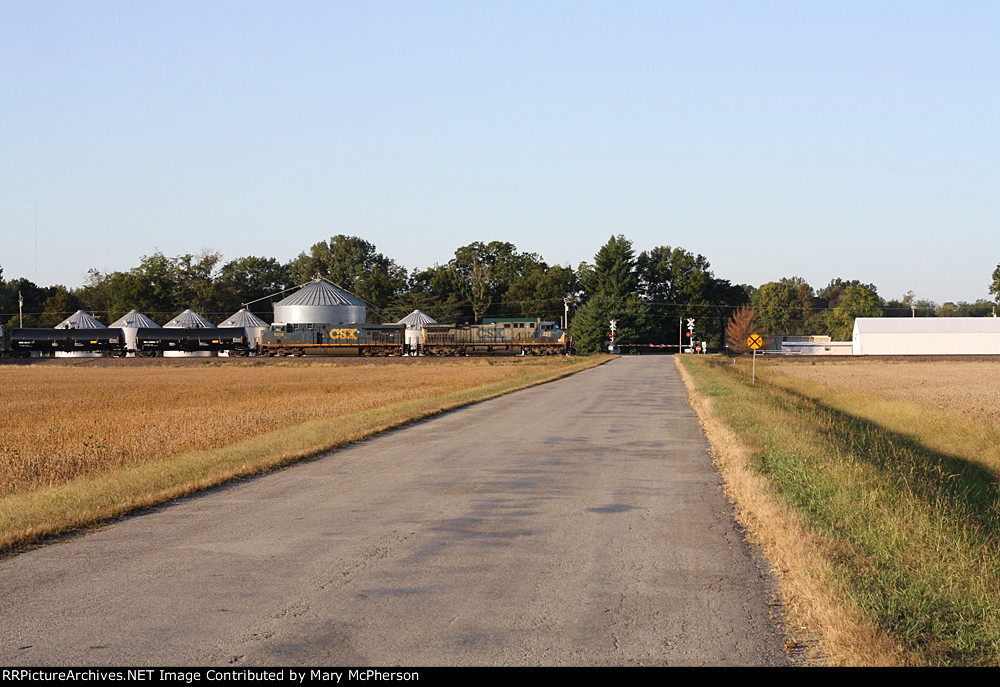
pixel 130 323
pixel 188 319
pixel 319 302
pixel 415 322
pixel 247 320
pixel 80 320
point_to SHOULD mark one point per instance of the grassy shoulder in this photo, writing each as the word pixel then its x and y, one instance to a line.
pixel 883 530
pixel 105 491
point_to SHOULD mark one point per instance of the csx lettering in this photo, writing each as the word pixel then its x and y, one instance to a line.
pixel 343 333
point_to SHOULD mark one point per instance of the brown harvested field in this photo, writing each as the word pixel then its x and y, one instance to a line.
pixel 61 421
pixel 967 388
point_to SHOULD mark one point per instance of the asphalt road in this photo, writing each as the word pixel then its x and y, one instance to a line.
pixel 575 523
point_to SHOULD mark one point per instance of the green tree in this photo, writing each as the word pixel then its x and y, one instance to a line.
pixel 679 284
pixel 193 278
pixel 614 270
pixel 96 296
pixel 248 279
pixel 856 301
pixel 909 306
pixel 834 291
pixel 610 290
pixel 540 291
pixel 352 264
pixel 436 292
pixel 484 272
pixel 34 303
pixel 150 288
pixel 995 286
pixel 58 305
pixel 981 308
pixel 591 324
pixel 785 307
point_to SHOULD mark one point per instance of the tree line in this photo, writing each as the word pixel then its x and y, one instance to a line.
pixel 649 293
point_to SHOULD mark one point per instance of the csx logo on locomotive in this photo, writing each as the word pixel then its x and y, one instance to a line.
pixel 343 333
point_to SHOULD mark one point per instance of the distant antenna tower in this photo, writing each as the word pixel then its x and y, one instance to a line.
pixel 36 241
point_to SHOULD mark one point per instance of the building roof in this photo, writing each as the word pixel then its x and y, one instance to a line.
pixel 243 318
pixel 417 318
pixel 188 319
pixel 135 319
pixel 320 292
pixel 927 325
pixel 80 320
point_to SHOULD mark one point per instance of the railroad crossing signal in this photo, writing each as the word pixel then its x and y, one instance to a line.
pixel 755 341
pixel 690 324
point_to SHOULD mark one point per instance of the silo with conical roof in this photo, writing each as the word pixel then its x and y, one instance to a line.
pixel 320 302
pixel 188 319
pixel 248 321
pixel 130 323
pixel 80 320
pixel 415 322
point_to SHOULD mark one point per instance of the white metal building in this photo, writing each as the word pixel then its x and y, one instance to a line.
pixel 818 347
pixel 926 336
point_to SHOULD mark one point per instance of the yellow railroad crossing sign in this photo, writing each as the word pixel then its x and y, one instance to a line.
pixel 755 341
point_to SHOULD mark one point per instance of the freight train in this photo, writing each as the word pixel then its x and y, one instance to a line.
pixel 333 339
pixel 517 337
pixel 149 341
pixel 507 338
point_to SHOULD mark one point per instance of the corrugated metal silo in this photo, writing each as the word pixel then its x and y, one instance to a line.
pixel 130 323
pixel 415 322
pixel 80 320
pixel 319 302
pixel 188 319
pixel 250 322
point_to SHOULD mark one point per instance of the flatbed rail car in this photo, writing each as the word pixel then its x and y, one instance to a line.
pixel 333 339
pixel 501 338
pixel 152 340
pixel 24 341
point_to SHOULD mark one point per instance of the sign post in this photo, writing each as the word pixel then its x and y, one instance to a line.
pixel 754 341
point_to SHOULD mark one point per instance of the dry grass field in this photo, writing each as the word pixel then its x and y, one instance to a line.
pixel 872 486
pixel 970 389
pixel 62 422
pixel 82 443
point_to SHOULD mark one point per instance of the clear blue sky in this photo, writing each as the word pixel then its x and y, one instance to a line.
pixel 821 139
